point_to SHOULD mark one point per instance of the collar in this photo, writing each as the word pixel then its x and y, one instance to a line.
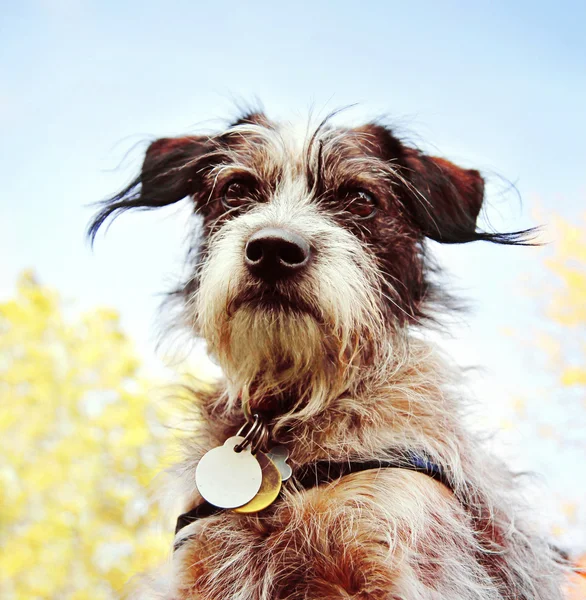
pixel 326 471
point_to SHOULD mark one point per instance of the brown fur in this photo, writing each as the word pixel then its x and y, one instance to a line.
pixel 331 359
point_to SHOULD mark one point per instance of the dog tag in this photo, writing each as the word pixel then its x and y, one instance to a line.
pixel 269 488
pixel 279 455
pixel 226 478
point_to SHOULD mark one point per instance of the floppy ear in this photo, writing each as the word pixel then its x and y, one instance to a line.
pixel 445 202
pixel 168 170
pixel 446 199
pixel 166 173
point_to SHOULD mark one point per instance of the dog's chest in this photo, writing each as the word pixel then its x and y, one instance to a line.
pixel 312 545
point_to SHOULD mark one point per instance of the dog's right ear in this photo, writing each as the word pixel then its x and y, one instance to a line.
pixel 168 170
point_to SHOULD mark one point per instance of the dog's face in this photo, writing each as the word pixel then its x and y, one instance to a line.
pixel 313 251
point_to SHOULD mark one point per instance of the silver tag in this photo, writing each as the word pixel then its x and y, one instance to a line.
pixel 226 478
pixel 279 455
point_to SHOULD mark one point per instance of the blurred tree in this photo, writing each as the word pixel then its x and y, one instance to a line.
pixel 79 443
pixel 564 339
pixel 567 305
pixel 556 409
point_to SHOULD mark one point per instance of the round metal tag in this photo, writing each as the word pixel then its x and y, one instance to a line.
pixel 226 478
pixel 269 489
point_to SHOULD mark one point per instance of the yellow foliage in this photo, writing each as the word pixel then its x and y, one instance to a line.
pixel 79 443
pixel 574 376
pixel 564 343
pixel 568 303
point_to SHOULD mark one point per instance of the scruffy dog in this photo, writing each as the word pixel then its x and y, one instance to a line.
pixel 311 278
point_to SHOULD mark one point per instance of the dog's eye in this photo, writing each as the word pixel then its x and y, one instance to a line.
pixel 360 203
pixel 236 194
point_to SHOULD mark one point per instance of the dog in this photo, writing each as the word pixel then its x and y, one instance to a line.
pixel 311 281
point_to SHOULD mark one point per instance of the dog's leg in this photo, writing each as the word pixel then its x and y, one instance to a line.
pixel 380 535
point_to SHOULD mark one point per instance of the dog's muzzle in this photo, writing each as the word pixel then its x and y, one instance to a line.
pixel 272 254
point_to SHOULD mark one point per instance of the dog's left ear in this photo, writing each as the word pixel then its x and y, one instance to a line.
pixel 445 199
pixel 167 175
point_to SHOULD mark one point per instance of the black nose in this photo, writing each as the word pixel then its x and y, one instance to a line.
pixel 273 253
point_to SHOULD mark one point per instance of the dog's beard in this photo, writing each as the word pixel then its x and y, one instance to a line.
pixel 272 351
pixel 287 359
pixel 277 351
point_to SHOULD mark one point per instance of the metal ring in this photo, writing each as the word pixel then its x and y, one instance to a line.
pixel 262 440
pixel 250 423
pixel 243 429
pixel 256 433
pixel 250 435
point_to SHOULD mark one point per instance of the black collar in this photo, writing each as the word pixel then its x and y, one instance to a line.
pixel 326 471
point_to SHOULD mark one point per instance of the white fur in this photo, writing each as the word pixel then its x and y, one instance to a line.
pixel 365 388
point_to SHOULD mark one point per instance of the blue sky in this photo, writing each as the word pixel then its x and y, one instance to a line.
pixel 499 86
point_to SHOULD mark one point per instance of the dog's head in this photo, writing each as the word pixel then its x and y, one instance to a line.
pixel 313 245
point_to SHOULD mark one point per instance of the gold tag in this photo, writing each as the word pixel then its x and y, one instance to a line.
pixel 269 488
